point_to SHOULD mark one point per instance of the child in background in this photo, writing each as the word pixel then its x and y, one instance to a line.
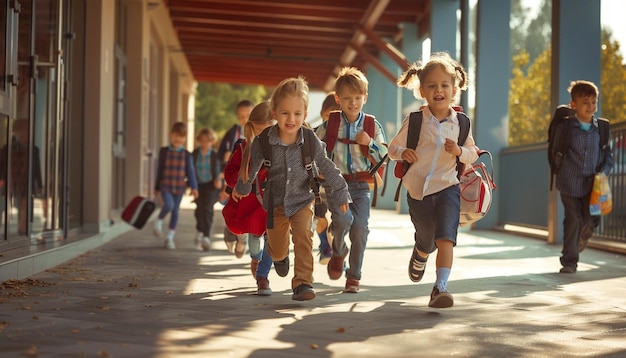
pixel 246 216
pixel 348 154
pixel 210 181
pixel 288 194
pixel 321 222
pixel 175 172
pixel 226 148
pixel 431 181
pixel 582 160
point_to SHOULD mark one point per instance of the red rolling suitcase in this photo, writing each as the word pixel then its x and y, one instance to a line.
pixel 138 211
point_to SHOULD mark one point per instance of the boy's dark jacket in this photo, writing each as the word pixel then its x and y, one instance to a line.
pixel 559 138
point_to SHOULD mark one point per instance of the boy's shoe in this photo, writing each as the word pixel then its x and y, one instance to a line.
pixel 336 266
pixel 254 264
pixel 325 255
pixel 240 249
pixel 303 292
pixel 352 286
pixel 282 267
pixel 205 243
pixel 263 286
pixel 440 299
pixel 169 244
pixel 567 269
pixel 417 266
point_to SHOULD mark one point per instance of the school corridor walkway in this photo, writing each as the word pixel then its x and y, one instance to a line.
pixel 133 298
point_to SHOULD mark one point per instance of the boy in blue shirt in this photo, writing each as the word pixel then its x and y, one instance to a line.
pixel 352 141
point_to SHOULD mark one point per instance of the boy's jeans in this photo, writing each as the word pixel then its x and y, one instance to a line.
pixel 353 223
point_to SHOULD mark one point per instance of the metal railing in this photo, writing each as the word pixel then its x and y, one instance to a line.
pixel 613 226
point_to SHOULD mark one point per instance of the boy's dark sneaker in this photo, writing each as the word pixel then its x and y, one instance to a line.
pixel 282 267
pixel 303 292
pixel 352 286
pixel 336 266
pixel 440 299
pixel 568 269
pixel 417 266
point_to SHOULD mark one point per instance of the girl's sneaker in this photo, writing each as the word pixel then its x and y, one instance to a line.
pixel 169 244
pixel 441 299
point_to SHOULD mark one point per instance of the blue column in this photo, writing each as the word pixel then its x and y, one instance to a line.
pixel 576 55
pixel 490 125
pixel 443 26
pixel 384 102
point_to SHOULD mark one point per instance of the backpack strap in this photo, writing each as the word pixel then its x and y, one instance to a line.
pixel 412 137
pixel 308 158
pixel 464 123
pixel 332 131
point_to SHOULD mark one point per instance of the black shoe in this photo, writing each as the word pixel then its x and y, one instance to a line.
pixel 417 266
pixel 303 292
pixel 282 267
pixel 568 269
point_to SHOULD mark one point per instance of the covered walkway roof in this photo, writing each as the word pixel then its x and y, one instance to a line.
pixel 263 42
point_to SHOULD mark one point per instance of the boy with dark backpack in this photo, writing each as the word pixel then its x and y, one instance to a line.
pixel 288 197
pixel 578 148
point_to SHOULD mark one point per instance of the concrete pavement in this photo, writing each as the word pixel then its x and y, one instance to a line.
pixel 132 298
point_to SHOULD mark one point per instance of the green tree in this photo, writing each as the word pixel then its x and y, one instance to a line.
pixel 216 102
pixel 529 99
pixel 529 93
pixel 613 81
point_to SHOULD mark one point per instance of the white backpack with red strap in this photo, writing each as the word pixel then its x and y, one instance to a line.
pixel 476 190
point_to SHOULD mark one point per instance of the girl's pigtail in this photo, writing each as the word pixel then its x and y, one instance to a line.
pixel 408 77
pixel 462 76
pixel 248 132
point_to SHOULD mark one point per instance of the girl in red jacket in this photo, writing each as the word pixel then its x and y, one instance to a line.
pixel 246 218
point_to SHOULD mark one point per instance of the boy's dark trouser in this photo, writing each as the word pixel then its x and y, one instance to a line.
pixel 207 197
pixel 577 224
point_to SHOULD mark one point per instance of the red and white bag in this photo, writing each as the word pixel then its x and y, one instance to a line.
pixel 138 211
pixel 476 191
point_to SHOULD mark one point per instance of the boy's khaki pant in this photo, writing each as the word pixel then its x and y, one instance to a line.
pixel 301 235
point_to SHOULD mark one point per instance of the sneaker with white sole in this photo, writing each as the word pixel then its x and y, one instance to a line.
pixel 169 244
pixel 205 243
pixel 303 292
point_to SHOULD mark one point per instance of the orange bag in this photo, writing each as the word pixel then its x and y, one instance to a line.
pixel 601 201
